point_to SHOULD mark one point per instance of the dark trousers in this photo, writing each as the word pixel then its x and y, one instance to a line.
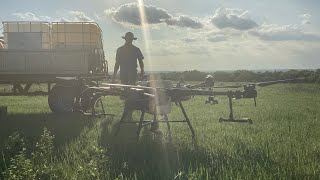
pixel 128 77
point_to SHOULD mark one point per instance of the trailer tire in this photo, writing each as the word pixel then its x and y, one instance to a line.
pixel 85 102
pixel 61 99
pixel 86 97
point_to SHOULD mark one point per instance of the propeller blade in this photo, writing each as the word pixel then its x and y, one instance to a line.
pixel 263 84
pixel 231 86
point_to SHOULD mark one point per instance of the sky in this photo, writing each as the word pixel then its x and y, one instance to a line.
pixel 206 35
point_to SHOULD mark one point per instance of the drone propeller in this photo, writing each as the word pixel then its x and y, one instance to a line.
pixel 268 83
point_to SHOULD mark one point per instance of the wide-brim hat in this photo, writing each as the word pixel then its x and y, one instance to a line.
pixel 129 35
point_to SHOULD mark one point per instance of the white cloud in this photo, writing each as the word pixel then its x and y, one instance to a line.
pixel 217 38
pixel 71 16
pixel 305 18
pixel 29 16
pixel 129 14
pixel 76 16
pixel 199 50
pixel 229 39
pixel 283 33
pixel 164 52
pixel 189 39
pixel 233 18
pixel 64 20
pixel 184 21
pixel 306 22
pixel 193 36
pixel 211 36
pixel 97 16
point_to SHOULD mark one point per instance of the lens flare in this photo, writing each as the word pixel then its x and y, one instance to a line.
pixel 145 31
pixel 147 40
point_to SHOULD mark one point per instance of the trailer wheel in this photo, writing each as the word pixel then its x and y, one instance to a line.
pixel 61 99
pixel 85 102
pixel 86 98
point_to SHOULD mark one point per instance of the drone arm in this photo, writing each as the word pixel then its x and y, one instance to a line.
pixel 268 83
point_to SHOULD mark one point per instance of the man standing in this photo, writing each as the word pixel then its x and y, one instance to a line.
pixel 126 59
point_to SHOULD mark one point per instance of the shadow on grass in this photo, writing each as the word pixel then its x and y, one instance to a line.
pixel 64 127
pixel 154 159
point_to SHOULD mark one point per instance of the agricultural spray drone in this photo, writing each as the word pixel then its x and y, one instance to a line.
pixel 156 97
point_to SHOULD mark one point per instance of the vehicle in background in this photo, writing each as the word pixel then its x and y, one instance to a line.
pixel 67 56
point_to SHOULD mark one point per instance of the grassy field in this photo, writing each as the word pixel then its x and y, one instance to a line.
pixel 282 143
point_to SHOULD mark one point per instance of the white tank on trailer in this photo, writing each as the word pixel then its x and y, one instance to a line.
pixel 26 35
pixel 58 48
pixel 75 35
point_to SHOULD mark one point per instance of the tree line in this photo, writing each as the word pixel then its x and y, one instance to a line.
pixel 311 76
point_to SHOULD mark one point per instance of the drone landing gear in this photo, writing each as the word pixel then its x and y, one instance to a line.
pixel 155 122
pixel 231 118
pixel 97 107
pixel 211 100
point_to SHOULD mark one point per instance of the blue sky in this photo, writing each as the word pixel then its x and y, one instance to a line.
pixel 197 34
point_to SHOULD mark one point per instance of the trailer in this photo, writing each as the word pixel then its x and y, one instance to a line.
pixel 67 56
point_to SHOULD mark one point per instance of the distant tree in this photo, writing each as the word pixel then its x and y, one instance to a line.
pixel 317 76
pixel 222 76
pixel 194 75
pixel 244 75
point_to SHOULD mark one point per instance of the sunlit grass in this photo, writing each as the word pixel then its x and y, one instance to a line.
pixel 282 143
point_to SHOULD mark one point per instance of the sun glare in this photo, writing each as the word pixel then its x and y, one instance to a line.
pixel 147 40
pixel 145 31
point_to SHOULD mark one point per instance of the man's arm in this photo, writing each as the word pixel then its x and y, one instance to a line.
pixel 116 68
pixel 140 59
pixel 141 67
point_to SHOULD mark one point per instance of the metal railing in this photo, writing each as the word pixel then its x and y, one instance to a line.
pixel 51 32
pixel 8 25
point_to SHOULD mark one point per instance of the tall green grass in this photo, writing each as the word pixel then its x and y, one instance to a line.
pixel 282 143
